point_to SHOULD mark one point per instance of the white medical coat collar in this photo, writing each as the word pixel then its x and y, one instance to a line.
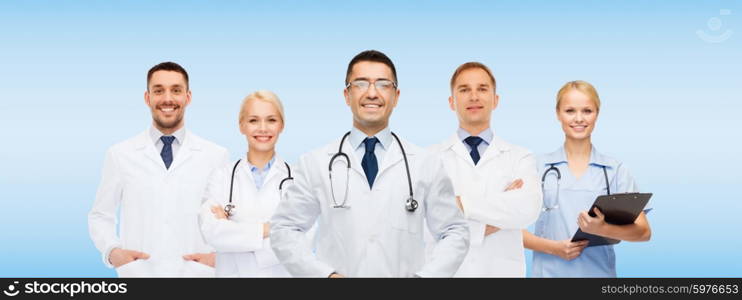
pixel 179 134
pixel 190 144
pixel 487 135
pixel 357 137
pixel 392 156
pixel 496 147
pixel 277 167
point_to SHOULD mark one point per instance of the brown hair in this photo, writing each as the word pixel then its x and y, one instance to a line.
pixel 473 65
pixel 373 56
pixel 167 66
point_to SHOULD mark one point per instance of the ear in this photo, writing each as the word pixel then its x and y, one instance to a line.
pixel 396 98
pixel 242 128
pixel 451 103
pixel 346 95
pixel 497 101
pixel 146 98
pixel 188 98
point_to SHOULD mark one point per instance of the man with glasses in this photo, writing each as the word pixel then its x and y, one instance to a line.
pixel 370 193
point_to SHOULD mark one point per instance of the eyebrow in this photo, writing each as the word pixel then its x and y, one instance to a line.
pixel 172 86
pixel 466 85
pixel 268 116
pixel 367 79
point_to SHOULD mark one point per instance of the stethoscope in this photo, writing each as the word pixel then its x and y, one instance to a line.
pixel 553 168
pixel 229 209
pixel 410 205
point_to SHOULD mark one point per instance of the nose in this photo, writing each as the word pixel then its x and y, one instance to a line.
pixel 473 97
pixel 169 96
pixel 372 93
pixel 579 117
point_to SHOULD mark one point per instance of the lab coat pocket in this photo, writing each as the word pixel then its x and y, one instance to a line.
pixel 137 268
pixel 196 269
pixel 265 257
pixel 498 181
pixel 408 221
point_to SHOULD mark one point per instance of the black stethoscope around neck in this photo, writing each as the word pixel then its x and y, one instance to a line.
pixel 553 168
pixel 410 204
pixel 229 209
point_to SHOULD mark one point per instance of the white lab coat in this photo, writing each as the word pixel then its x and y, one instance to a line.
pixel 158 207
pixel 241 250
pixel 375 236
pixel 481 188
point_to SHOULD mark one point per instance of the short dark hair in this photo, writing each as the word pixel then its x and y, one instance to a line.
pixel 373 56
pixel 473 65
pixel 167 66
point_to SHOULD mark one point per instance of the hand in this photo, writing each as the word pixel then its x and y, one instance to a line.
pixel 208 259
pixel 516 184
pixel 490 230
pixel 219 212
pixel 567 249
pixel 335 275
pixel 119 257
pixel 266 230
pixel 591 225
pixel 458 203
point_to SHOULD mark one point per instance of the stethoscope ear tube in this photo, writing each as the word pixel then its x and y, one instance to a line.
pixel 410 204
pixel 553 168
pixel 230 207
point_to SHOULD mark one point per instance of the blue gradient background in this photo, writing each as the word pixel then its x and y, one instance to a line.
pixel 72 77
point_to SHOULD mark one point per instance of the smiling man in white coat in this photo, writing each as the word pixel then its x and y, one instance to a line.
pixel 496 182
pixel 155 182
pixel 369 192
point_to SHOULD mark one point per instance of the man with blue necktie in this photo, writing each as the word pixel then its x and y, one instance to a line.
pixel 155 182
pixel 496 182
pixel 359 190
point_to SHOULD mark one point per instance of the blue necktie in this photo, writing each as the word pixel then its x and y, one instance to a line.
pixel 474 142
pixel 369 164
pixel 167 150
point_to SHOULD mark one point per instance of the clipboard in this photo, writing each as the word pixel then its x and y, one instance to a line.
pixel 619 209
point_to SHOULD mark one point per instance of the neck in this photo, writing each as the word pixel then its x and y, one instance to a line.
pixel 168 131
pixel 475 129
pixel 370 130
pixel 579 149
pixel 259 158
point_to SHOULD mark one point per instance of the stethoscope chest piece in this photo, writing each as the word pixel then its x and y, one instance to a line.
pixel 229 209
pixel 411 204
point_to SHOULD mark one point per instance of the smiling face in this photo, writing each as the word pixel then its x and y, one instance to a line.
pixel 167 96
pixel 261 125
pixel 578 114
pixel 371 107
pixel 473 98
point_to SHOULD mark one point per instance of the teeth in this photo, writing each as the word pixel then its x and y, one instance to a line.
pixel 167 109
pixel 371 106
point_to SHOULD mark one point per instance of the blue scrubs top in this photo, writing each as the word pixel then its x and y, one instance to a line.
pixel 564 201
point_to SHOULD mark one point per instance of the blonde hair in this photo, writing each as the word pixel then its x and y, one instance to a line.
pixel 262 95
pixel 582 86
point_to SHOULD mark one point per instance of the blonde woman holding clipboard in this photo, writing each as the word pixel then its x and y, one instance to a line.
pixel 572 177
